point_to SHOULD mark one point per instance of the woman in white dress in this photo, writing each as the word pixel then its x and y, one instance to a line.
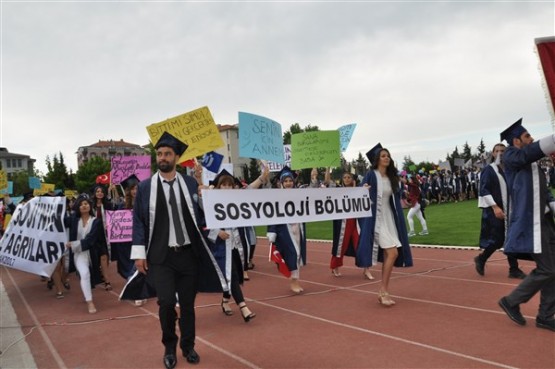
pixel 383 236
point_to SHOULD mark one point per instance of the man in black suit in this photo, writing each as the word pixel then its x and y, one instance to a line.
pixel 168 245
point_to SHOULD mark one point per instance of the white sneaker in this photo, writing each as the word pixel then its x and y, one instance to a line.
pixel 411 233
pixel 423 233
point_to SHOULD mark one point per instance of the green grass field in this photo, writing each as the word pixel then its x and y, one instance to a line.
pixel 456 224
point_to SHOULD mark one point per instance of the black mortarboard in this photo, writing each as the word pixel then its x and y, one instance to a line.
pixel 28 196
pixel 286 172
pixel 514 131
pixel 130 181
pixel 373 153
pixel 223 173
pixel 168 140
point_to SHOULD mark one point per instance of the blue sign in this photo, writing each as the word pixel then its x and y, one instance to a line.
pixel 345 134
pixel 260 138
pixel 212 161
pixel 34 183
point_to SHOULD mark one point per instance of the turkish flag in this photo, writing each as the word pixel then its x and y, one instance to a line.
pixel 276 257
pixel 188 163
pixel 103 178
pixel 546 52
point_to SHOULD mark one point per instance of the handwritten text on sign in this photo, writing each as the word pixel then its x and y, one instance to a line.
pixel 315 149
pixel 260 138
pixel 119 225
pixel 123 167
pixel 239 208
pixel 196 128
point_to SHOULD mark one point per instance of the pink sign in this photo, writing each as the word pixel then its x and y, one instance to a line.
pixel 125 166
pixel 119 225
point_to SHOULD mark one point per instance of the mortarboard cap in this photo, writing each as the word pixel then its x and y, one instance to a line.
pixel 168 140
pixel 130 181
pixel 373 153
pixel 514 131
pixel 286 172
pixel 222 174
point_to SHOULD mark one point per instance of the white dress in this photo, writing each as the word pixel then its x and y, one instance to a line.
pixel 387 234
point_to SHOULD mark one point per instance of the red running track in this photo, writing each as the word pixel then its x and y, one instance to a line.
pixel 446 316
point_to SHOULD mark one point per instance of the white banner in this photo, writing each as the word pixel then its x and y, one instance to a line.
pixel 240 208
pixel 35 239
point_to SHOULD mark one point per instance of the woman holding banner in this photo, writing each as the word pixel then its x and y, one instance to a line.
pixel 289 239
pixel 383 237
pixel 227 245
pixel 85 231
pixel 345 235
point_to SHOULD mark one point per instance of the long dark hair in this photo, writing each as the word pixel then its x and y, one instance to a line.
pixel 390 171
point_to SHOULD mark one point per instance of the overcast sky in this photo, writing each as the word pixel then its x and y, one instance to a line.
pixel 419 77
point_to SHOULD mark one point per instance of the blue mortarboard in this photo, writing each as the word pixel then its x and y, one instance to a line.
pixel 130 181
pixel 168 140
pixel 371 155
pixel 286 172
pixel 514 131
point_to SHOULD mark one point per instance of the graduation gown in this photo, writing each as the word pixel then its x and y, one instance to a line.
pixel 493 191
pixel 92 241
pixel 282 236
pixel 228 252
pixel 368 252
pixel 339 227
pixel 145 213
pixel 529 196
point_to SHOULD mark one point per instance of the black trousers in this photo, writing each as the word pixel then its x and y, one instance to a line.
pixel 542 278
pixel 177 274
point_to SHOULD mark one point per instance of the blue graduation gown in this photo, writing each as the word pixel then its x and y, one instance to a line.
pixel 492 232
pixel 368 253
pixel 281 236
pixel 529 197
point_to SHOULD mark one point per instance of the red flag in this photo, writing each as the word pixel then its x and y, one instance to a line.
pixel 188 163
pixel 103 178
pixel 546 52
pixel 276 257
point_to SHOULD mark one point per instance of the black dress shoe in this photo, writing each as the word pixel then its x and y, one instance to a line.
pixel 170 361
pixel 545 323
pixel 479 264
pixel 191 356
pixel 517 274
pixel 512 312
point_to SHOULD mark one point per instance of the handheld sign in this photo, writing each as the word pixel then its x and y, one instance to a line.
pixel 196 128
pixel 260 138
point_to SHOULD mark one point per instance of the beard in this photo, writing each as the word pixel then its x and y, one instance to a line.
pixel 166 166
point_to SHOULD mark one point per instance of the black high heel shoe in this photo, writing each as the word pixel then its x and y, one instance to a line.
pixel 248 317
pixel 225 308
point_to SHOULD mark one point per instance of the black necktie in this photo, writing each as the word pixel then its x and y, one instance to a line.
pixel 179 236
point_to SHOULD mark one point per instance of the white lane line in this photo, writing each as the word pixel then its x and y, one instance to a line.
pixel 394 338
pixel 230 354
pixel 59 361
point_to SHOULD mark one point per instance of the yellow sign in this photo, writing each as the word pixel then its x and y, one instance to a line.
pixel 3 179
pixel 196 128
pixel 44 188
pixel 71 193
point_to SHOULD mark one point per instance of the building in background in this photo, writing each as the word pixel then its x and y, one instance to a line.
pixel 230 150
pixel 107 150
pixel 12 162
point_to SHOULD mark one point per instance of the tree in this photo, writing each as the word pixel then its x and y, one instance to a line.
pixel 467 152
pixel 20 182
pixel 85 178
pixel 57 173
pixel 407 163
pixel 253 171
pixel 481 149
pixel 361 165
